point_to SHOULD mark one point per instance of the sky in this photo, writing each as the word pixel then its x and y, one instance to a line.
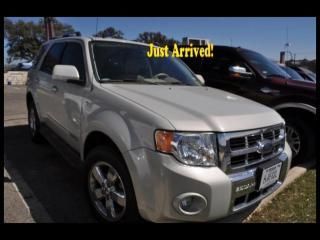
pixel 266 35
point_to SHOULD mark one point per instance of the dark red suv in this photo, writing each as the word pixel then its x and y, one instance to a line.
pixel 250 74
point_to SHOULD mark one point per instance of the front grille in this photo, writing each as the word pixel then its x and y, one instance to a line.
pixel 252 140
pixel 240 149
pixel 244 149
pixel 237 143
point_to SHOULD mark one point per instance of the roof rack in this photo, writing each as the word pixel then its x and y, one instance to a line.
pixel 71 34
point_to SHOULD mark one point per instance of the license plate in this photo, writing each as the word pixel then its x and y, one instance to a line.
pixel 270 175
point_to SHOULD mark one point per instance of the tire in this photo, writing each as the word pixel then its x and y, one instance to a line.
pixel 34 123
pixel 300 130
pixel 116 191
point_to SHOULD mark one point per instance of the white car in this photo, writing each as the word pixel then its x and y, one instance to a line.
pixel 153 141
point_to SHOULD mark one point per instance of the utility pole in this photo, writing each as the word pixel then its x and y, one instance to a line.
pixel 49 29
pixel 287 44
pixel 97 25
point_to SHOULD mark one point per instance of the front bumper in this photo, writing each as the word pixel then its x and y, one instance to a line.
pixel 158 180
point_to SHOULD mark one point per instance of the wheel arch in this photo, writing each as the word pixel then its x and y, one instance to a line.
pixel 29 98
pixel 305 117
pixel 294 101
pixel 96 138
pixel 297 107
pixel 301 110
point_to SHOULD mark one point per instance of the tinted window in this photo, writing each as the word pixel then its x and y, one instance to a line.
pixel 42 50
pixel 52 58
pixel 309 73
pixel 195 64
pixel 73 55
pixel 293 74
pixel 217 68
pixel 265 66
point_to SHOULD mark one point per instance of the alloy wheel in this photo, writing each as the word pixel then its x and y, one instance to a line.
pixel 107 191
pixel 32 121
pixel 294 140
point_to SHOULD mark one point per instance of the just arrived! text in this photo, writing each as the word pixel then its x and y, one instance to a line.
pixel 180 52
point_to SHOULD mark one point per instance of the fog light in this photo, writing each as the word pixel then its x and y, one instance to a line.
pixel 190 203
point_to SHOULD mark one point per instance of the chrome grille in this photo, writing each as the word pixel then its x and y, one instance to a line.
pixel 238 150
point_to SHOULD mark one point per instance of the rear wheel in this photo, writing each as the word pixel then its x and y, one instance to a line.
pixel 34 123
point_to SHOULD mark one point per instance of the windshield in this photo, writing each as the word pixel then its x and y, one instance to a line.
pixel 311 74
pixel 265 66
pixel 128 63
pixel 293 74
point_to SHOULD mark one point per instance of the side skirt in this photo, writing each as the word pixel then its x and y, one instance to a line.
pixel 67 152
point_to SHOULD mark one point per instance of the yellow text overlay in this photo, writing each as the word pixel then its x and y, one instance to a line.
pixel 181 52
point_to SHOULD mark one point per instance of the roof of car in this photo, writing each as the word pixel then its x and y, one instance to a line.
pixel 91 39
pixel 108 39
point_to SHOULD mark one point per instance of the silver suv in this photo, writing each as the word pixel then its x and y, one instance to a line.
pixel 153 141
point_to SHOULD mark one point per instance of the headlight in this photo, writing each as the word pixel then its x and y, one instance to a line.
pixel 197 149
pixel 282 135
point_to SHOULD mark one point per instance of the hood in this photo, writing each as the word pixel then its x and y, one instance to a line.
pixel 193 108
pixel 303 85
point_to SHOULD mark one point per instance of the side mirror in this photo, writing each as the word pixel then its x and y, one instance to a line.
pixel 65 73
pixel 201 79
pixel 240 71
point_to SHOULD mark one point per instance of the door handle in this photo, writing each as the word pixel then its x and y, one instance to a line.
pixel 54 89
pixel 269 90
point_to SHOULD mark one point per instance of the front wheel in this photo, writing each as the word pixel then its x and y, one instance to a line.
pixel 109 186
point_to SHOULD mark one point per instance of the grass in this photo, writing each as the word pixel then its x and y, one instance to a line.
pixel 296 203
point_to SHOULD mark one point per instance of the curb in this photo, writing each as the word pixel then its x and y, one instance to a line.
pixel 30 210
pixel 293 174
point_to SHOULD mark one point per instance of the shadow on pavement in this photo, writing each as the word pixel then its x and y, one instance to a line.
pixel 56 185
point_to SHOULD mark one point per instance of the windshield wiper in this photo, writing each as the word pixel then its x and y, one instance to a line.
pixel 165 81
pixel 108 80
pixel 174 82
pixel 154 81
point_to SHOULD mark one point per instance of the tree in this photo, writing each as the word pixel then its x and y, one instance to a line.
pixel 25 38
pixel 157 38
pixel 59 28
pixel 109 32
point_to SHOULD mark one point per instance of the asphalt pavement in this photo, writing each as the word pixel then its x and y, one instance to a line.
pixel 51 189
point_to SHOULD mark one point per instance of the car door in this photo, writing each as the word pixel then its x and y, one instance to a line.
pixel 71 94
pixel 46 91
pixel 271 79
pixel 217 73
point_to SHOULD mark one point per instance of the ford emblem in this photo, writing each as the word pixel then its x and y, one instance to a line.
pixel 264 146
